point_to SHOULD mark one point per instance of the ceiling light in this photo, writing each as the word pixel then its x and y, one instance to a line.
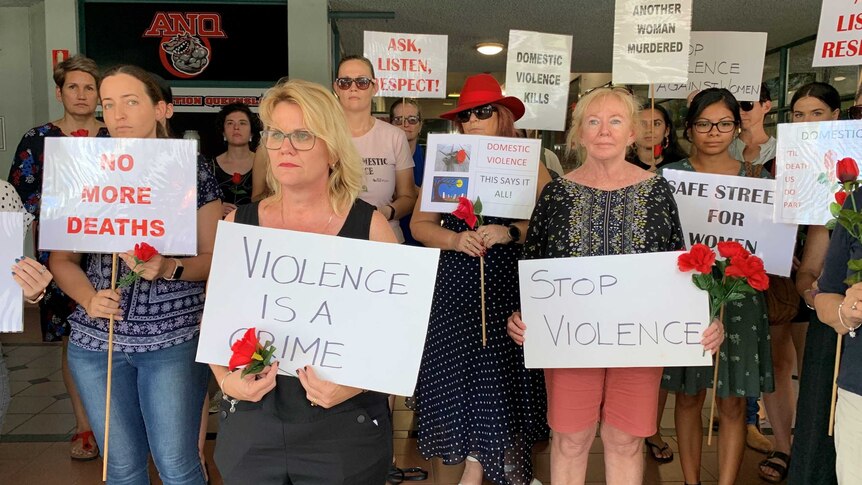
pixel 840 78
pixel 489 48
pixel 453 95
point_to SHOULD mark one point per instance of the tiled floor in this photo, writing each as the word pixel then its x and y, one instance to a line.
pixel 34 447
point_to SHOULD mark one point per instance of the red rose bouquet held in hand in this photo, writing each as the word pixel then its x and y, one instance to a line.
pixel 471 214
pixel 249 352
pixel 143 253
pixel 741 274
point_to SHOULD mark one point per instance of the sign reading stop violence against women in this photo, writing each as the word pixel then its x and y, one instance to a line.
pixel 11 247
pixel 631 310
pixel 537 73
pixel 805 161
pixel 104 195
pixel 355 310
pixel 732 60
pixel 502 172
pixel 715 208
pixel 408 65
pixel 650 41
pixel 839 38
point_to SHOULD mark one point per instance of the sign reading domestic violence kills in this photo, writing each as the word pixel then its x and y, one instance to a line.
pixel 651 41
pixel 501 172
pixel 632 310
pixel 537 72
pixel 408 65
pixel 805 162
pixel 357 311
pixel 104 195
pixel 839 38
pixel 732 60
pixel 716 208
pixel 11 247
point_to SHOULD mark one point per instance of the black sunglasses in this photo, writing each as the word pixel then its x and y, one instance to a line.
pixel 362 83
pixel 746 105
pixel 482 113
pixel 855 112
pixel 411 120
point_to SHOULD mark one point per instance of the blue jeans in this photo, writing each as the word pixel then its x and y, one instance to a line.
pixel 156 403
pixel 751 409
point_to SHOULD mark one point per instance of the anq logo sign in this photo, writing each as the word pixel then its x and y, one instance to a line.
pixel 185 37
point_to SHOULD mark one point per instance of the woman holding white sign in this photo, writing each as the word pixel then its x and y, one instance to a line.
pixel 385 152
pixel 478 403
pixel 712 123
pixel 585 213
pixel 157 387
pixel 306 430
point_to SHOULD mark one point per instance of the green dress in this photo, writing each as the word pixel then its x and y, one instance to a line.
pixel 746 354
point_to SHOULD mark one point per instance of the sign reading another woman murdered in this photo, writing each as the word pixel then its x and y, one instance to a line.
pixel 357 311
pixel 632 310
pixel 805 162
pixel 716 208
pixel 11 247
pixel 651 41
pixel 502 172
pixel 104 195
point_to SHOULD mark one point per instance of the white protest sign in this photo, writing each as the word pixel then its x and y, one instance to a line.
pixel 732 60
pixel 501 172
pixel 348 307
pixel 631 310
pixel 839 37
pixel 408 65
pixel 11 247
pixel 715 208
pixel 537 72
pixel 805 162
pixel 104 195
pixel 651 41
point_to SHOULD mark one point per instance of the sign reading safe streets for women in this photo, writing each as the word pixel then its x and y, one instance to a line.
pixel 104 195
pixel 715 208
pixel 502 172
pixel 357 311
pixel 11 247
pixel 651 41
pixel 537 73
pixel 631 310
pixel 732 60
pixel 408 65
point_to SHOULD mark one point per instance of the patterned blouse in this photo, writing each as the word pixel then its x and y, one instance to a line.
pixel 572 220
pixel 156 314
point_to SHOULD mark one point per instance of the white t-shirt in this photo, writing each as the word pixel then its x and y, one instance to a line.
pixel 385 151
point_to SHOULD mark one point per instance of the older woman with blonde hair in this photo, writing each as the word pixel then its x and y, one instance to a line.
pixel 585 213
pixel 279 429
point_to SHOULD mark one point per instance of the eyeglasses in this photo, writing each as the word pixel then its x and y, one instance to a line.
pixel 362 83
pixel 300 140
pixel 411 120
pixel 855 112
pixel 705 126
pixel 482 113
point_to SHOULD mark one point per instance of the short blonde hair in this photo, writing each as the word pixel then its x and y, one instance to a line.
pixel 324 117
pixel 573 138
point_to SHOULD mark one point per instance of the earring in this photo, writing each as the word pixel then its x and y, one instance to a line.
pixel 665 142
pixel 224 138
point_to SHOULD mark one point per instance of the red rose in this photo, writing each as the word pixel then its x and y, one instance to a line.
pixel 847 170
pixel 731 249
pixel 750 268
pixel 244 349
pixel 465 212
pixel 840 197
pixel 81 132
pixel 145 252
pixel 461 156
pixel 236 178
pixel 699 258
pixel 759 281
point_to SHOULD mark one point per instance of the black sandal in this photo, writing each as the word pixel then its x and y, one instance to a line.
pixel 656 451
pixel 777 467
pixel 414 474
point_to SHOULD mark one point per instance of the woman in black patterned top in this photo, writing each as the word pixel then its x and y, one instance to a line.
pixel 233 168
pixel 606 206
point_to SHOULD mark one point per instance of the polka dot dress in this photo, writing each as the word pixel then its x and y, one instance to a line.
pixel 474 400
pixel 11 202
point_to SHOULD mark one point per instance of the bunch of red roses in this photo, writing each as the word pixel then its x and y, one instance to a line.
pixel 741 273
pixel 143 253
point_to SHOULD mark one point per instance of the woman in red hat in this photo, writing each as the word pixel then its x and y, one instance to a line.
pixel 477 403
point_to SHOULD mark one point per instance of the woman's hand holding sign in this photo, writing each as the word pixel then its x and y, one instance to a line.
pixel 103 304
pixel 516 328
pixel 325 394
pixel 250 387
pixel 713 336
pixel 31 276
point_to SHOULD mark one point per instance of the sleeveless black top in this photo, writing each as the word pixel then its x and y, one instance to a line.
pixel 288 400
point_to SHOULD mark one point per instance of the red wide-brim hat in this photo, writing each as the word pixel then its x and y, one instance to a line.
pixel 483 89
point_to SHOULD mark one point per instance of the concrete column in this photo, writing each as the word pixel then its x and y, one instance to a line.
pixel 309 41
